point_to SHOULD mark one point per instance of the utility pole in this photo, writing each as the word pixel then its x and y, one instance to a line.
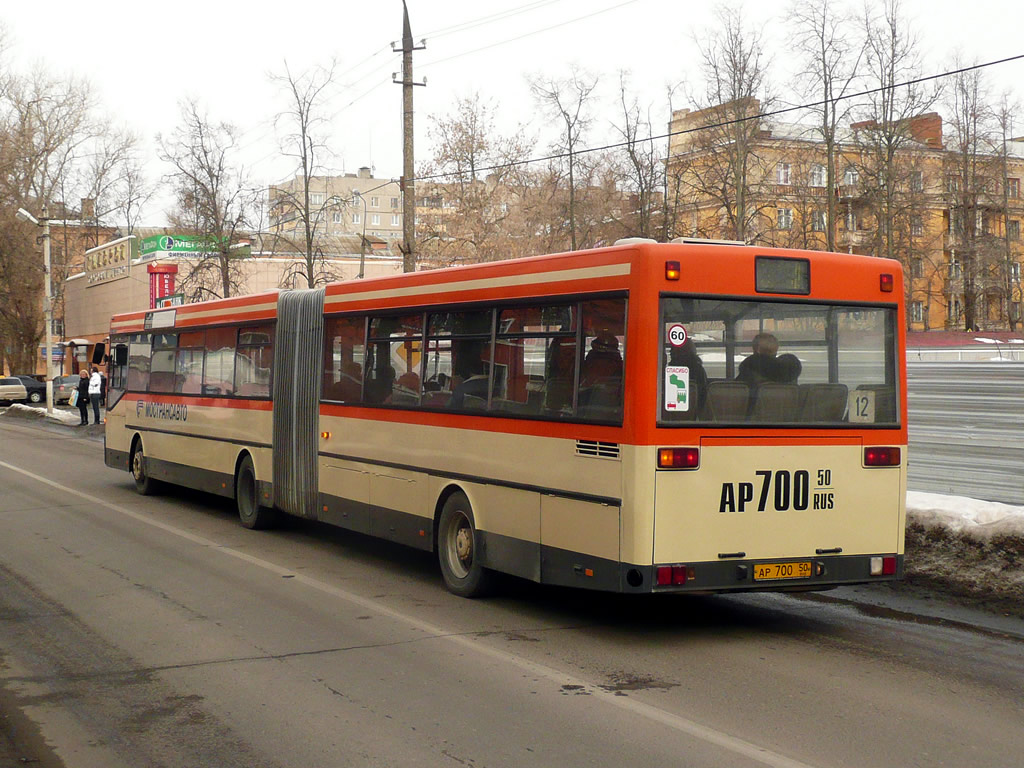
pixel 408 167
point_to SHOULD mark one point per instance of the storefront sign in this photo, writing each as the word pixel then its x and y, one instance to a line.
pixel 109 262
pixel 159 246
pixel 161 282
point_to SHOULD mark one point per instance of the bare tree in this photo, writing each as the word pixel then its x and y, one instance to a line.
pixel 974 170
pixel 892 64
pixel 479 181
pixel 566 101
pixel 641 169
pixel 722 140
pixel 212 197
pixel 304 143
pixel 831 53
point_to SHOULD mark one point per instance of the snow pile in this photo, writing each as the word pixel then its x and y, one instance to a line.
pixel 20 410
pixel 981 520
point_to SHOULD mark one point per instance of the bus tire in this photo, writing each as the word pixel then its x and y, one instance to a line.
pixel 252 514
pixel 144 484
pixel 458 550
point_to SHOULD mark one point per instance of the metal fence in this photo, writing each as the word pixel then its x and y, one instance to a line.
pixel 966 426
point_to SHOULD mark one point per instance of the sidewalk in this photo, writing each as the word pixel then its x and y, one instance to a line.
pixel 64 416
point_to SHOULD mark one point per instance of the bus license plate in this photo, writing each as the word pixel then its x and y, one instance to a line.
pixel 769 571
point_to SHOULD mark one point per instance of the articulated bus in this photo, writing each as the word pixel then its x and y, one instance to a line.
pixel 681 417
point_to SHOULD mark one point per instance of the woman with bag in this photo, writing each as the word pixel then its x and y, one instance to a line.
pixel 95 392
pixel 83 397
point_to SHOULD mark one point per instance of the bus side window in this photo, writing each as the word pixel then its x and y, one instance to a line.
pixel 254 361
pixel 161 372
pixel 219 365
pixel 599 397
pixel 344 352
pixel 139 352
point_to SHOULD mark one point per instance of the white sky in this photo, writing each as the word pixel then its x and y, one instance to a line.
pixel 143 58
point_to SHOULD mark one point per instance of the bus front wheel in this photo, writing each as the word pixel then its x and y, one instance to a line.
pixel 458 550
pixel 252 514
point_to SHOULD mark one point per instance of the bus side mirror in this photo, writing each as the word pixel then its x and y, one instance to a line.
pixel 121 354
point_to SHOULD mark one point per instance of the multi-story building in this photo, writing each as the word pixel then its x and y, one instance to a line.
pixel 352 204
pixel 957 232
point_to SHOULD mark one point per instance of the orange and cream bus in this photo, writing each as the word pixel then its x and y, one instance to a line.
pixel 683 417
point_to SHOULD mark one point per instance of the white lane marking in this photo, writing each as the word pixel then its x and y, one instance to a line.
pixel 675 722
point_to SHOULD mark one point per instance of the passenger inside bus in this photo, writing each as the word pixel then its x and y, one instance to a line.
pixel 470 377
pixel 601 377
pixel 760 366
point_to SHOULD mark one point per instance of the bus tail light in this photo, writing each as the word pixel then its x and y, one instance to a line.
pixel 876 456
pixel 678 458
pixel 886 283
pixel 672 270
pixel 883 566
pixel 673 575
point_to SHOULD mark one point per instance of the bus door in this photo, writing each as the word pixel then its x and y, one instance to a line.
pixel 298 359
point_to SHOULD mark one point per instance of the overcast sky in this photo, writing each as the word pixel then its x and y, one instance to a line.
pixel 143 58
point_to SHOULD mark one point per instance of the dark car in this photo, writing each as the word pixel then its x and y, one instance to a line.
pixel 62 388
pixel 35 388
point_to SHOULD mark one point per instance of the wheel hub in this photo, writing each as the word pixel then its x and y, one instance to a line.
pixel 464 544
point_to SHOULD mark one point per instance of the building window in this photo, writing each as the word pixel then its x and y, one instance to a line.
pixel 917 268
pixel 850 221
pixel 817 175
pixel 954 268
pixel 396 220
pixel 917 312
pixel 953 185
pixel 783 174
pixel 356 201
pixel 850 176
pixel 784 218
pixel 916 226
pixel 356 218
pixel 336 217
pixel 954 309
pixel 394 202
pixel 1013 187
pixel 316 198
pixel 1015 271
pixel 375 202
pixel 818 221
pixel 916 181
pixel 375 219
pixel 1013 229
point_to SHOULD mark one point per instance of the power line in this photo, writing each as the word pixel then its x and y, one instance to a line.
pixel 735 121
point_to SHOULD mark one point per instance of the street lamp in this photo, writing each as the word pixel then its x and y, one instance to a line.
pixel 362 239
pixel 47 302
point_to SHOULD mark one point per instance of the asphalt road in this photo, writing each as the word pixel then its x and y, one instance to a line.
pixel 158 632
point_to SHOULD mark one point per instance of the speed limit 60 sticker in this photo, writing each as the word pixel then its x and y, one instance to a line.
pixel 676 335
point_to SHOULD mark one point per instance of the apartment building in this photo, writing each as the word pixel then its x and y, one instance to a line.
pixel 956 230
pixel 350 204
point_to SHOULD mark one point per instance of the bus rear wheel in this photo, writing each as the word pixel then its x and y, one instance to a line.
pixel 252 514
pixel 458 550
pixel 144 484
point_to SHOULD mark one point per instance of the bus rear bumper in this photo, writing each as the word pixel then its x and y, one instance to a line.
pixel 775 575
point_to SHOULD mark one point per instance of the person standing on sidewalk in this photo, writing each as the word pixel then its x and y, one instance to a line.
pixel 95 392
pixel 83 396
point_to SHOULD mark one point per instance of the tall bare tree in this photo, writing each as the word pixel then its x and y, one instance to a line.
pixel 303 141
pixel 479 181
pixel 726 131
pixel 567 102
pixel 212 198
pixel 831 52
pixel 641 168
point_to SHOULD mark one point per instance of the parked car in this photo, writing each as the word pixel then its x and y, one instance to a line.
pixel 36 389
pixel 62 388
pixel 12 390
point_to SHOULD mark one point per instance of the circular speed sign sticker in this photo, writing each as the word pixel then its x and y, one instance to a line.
pixel 676 335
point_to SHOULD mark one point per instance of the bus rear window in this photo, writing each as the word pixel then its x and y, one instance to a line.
pixel 736 362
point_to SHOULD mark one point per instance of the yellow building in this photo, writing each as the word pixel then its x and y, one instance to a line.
pixel 734 175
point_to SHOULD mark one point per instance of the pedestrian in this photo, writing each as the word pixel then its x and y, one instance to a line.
pixel 95 393
pixel 83 396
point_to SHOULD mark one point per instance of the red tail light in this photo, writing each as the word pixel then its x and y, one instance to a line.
pixel 886 283
pixel 672 270
pixel 887 456
pixel 673 575
pixel 678 458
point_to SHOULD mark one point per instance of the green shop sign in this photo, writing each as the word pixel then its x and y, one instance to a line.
pixel 158 245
